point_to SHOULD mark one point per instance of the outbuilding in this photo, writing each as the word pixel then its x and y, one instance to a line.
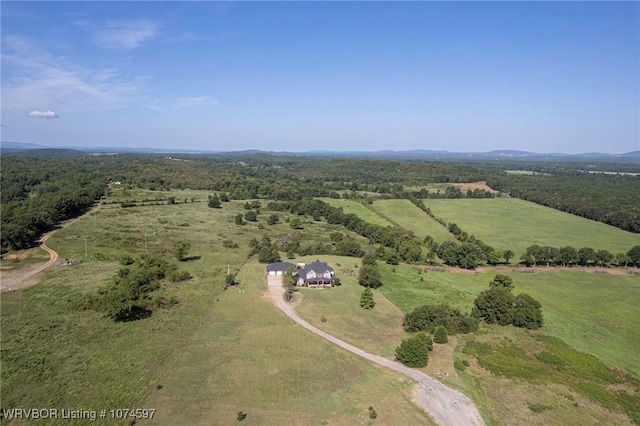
pixel 278 268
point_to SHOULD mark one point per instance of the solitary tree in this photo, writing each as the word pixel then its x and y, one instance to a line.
pixel 366 300
pixel 273 219
pixel 251 216
pixel 238 219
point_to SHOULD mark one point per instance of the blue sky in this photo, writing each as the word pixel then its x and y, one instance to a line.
pixel 298 76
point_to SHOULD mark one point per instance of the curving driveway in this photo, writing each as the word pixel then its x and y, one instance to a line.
pixel 445 405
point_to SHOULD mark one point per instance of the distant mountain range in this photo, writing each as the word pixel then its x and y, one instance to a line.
pixel 36 150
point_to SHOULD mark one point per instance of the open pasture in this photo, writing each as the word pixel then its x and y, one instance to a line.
pixel 595 313
pixel 406 215
pixel 357 208
pixel 513 224
pixel 211 355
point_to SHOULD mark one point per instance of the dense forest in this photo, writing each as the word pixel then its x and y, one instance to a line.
pixel 39 192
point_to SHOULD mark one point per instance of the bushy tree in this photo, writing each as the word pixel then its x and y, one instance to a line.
pixel 494 306
pixel 504 281
pixel 586 255
pixel 369 276
pixel 414 351
pixel 366 299
pixel 633 256
pixel 440 335
pixel 273 219
pixel 238 219
pixel 527 312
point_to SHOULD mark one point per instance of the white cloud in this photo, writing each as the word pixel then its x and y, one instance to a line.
pixel 33 77
pixel 123 34
pixel 43 114
pixel 196 101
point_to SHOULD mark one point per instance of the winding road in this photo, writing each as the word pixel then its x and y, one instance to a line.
pixel 445 405
pixel 53 257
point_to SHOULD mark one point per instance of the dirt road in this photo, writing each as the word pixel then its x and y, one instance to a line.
pixel 53 257
pixel 446 406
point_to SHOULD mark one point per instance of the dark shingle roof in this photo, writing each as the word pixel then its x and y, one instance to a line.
pixel 280 266
pixel 318 267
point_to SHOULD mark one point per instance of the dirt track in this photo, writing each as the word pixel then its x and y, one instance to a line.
pixel 445 405
pixel 53 258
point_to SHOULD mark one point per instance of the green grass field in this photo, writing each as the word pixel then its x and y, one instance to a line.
pixel 364 213
pixel 411 218
pixel 595 313
pixel 218 352
pixel 213 354
pixel 508 223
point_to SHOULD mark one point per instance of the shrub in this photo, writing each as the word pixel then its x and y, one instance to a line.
pixel 440 335
pixel 414 351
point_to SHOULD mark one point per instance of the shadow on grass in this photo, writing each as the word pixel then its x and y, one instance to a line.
pixel 191 258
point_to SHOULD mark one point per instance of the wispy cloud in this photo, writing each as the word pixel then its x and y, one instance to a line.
pixel 196 101
pixel 43 114
pixel 122 34
pixel 34 80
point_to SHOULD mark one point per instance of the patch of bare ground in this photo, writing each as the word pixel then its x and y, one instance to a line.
pixel 480 185
pixel 441 360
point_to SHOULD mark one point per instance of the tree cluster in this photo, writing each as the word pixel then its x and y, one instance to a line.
pixel 266 250
pixel 128 295
pixel 498 305
pixel 429 317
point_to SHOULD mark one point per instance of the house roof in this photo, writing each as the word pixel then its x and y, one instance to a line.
pixel 280 266
pixel 317 266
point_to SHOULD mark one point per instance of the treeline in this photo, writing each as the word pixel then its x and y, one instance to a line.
pixel 38 193
pixel 585 256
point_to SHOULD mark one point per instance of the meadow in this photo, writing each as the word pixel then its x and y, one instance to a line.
pixel 407 216
pixel 211 355
pixel 218 352
pixel 357 208
pixel 513 224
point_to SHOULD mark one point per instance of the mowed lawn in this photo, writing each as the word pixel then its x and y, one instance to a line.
pixel 337 310
pixel 509 223
pixel 411 218
pixel 248 356
pixel 364 213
